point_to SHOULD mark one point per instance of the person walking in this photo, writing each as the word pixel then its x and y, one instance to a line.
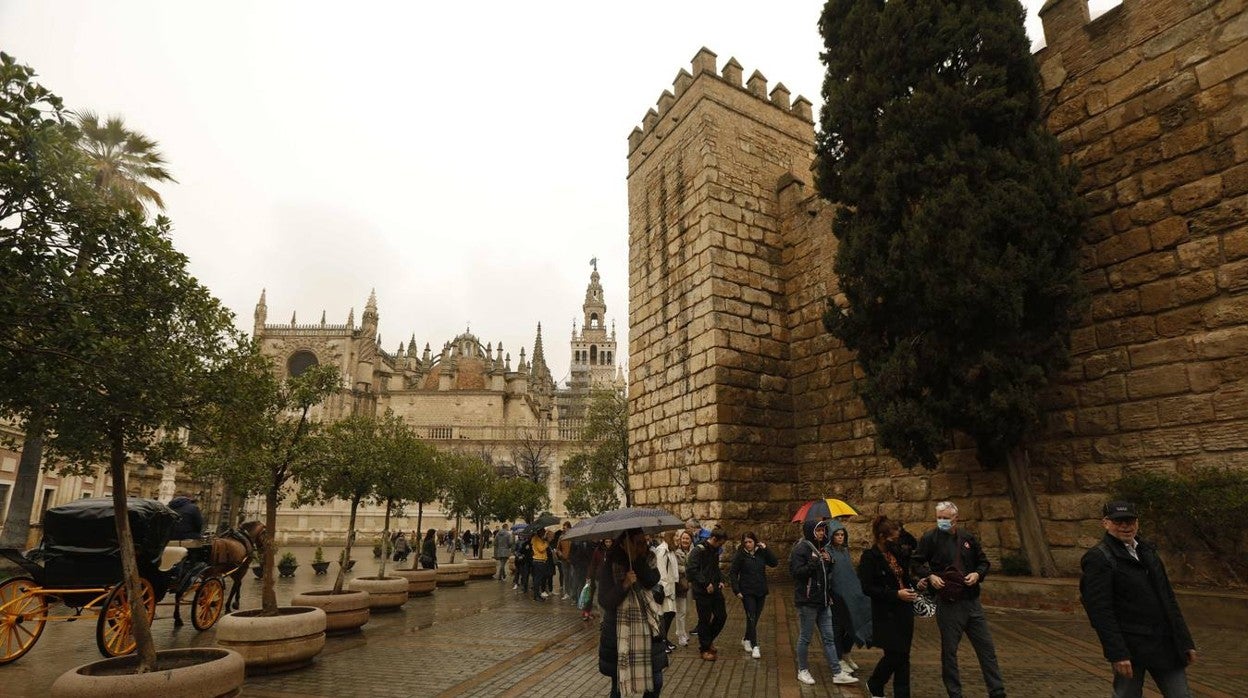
pixel 524 561
pixel 541 570
pixel 567 580
pixel 810 566
pixel 748 577
pixel 851 609
pixel 1131 605
pixel 596 561
pixel 629 648
pixel 429 551
pixel 579 556
pixel 684 544
pixel 953 562
pixel 502 550
pixel 883 572
pixel 669 572
pixel 708 592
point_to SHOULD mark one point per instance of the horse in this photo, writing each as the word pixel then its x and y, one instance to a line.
pixel 229 553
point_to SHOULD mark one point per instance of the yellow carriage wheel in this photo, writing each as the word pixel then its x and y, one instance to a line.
pixel 208 603
pixel 22 617
pixel 114 630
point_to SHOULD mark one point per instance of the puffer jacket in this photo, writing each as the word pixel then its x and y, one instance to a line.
pixel 702 567
pixel 748 573
pixel 811 574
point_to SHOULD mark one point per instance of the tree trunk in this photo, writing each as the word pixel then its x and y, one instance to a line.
pixel 1027 514
pixel 385 536
pixel 420 516
pixel 22 500
pixel 455 543
pixel 268 603
pixel 145 648
pixel 346 552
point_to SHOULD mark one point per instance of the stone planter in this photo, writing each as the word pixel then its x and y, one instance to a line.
pixel 287 570
pixel 320 567
pixel 270 644
pixel 481 569
pixel 345 612
pixel 419 582
pixel 388 594
pixel 452 574
pixel 195 672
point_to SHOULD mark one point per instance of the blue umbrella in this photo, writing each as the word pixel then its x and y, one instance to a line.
pixel 519 527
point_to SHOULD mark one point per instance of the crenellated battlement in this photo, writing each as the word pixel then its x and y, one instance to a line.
pixel 704 64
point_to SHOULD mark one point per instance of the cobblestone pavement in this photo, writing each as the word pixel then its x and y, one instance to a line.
pixel 486 640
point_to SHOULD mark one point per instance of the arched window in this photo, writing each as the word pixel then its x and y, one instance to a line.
pixel 593 354
pixel 593 320
pixel 299 362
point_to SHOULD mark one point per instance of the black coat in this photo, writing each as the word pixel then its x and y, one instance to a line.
pixel 939 551
pixel 703 569
pixel 812 575
pixel 892 620
pixel 748 573
pixel 1132 606
pixel 611 595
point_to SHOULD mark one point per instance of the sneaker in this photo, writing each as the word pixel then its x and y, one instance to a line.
pixel 745 644
pixel 565 597
pixel 852 664
pixel 515 586
pixel 545 595
pixel 805 677
pixel 846 668
pixel 756 654
pixel 683 640
pixel 843 678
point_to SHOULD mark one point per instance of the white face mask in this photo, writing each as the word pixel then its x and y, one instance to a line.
pixel 944 524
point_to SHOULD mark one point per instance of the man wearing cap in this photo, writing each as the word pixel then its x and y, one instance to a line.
pixel 1132 607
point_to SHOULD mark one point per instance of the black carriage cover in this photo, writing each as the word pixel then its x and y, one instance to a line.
pixel 80 545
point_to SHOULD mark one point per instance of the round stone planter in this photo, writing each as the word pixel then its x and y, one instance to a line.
pixel 419 582
pixel 481 569
pixel 452 574
pixel 195 672
pixel 387 594
pixel 270 644
pixel 345 612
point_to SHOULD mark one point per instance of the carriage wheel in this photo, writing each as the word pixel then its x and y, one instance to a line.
pixel 208 603
pixel 114 631
pixel 23 617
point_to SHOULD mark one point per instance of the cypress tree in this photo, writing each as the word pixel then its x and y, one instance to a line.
pixel 957 233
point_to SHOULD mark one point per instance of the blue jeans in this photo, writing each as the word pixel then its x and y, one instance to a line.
pixel 1172 684
pixel 807 618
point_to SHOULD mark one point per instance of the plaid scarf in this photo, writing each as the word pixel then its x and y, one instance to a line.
pixel 636 623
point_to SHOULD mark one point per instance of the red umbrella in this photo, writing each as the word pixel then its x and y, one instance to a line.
pixel 818 509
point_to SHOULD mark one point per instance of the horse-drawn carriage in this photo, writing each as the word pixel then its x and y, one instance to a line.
pixel 78 564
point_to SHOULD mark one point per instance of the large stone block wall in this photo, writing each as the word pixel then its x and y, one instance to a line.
pixel 1150 101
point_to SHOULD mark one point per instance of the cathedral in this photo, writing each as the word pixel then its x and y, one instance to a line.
pixel 470 396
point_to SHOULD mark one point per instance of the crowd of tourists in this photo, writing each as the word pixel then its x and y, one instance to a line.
pixel 898 578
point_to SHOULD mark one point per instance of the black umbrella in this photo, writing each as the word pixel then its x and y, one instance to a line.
pixel 544 520
pixel 612 523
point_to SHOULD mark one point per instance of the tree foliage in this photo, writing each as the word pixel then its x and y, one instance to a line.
pixel 469 490
pixel 518 498
pixel 959 225
pixel 600 472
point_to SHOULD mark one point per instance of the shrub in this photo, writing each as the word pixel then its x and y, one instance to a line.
pixel 1208 507
pixel 319 556
pixel 288 560
pixel 1015 565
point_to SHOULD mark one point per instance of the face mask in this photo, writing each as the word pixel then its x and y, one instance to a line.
pixel 944 524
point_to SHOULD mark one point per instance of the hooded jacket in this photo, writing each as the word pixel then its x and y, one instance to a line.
pixel 811 574
pixel 191 522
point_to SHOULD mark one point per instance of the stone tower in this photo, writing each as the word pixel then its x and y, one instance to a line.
pixel 709 402
pixel 593 349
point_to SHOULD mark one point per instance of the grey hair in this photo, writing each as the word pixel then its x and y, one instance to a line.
pixel 947 506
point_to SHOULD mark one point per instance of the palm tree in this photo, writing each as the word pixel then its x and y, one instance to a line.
pixel 124 161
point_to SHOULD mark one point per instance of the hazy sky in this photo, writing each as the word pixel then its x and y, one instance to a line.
pixel 464 159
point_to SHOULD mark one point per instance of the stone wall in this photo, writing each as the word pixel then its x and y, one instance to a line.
pixel 1148 99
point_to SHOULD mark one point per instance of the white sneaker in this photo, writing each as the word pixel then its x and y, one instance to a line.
pixel 843 678
pixel 564 597
pixel 846 668
pixel 515 586
pixel 683 640
pixel 545 595
pixel 756 654
pixel 852 664
pixel 745 645
pixel 805 677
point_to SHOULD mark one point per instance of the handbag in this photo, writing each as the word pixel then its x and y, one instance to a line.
pixel 682 587
pixel 586 596
pixel 923 607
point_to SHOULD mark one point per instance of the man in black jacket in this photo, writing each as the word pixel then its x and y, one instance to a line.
pixel 707 584
pixel 953 562
pixel 1132 607
pixel 190 525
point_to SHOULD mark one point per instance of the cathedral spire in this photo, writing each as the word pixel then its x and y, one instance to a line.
pixel 262 314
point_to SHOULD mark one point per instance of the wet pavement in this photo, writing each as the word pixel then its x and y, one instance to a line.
pixel 484 639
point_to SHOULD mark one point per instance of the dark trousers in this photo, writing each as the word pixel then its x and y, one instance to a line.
pixel 1172 683
pixel 711 617
pixel 665 624
pixel 522 574
pixel 753 606
pixel 502 567
pixel 966 616
pixel 541 576
pixel 894 665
